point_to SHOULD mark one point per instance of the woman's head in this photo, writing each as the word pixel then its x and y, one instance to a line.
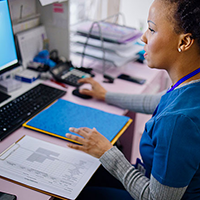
pixel 173 27
pixel 186 17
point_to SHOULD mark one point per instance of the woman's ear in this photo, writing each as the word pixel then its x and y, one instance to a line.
pixel 186 41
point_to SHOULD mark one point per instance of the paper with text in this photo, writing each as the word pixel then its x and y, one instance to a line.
pixel 31 43
pixel 47 2
pixel 48 167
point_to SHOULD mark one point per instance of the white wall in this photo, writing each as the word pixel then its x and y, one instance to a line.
pixel 29 8
pixel 135 12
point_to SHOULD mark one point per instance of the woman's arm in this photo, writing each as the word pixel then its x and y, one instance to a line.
pixel 142 103
pixel 138 185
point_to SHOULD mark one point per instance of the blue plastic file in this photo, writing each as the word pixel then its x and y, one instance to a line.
pixel 59 117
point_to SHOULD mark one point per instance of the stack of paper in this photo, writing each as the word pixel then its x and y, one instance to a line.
pixel 115 53
pixel 110 32
pixel 120 43
pixel 31 43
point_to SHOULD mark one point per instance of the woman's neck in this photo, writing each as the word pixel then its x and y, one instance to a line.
pixel 176 73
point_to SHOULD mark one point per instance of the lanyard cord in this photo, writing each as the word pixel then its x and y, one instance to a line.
pixel 179 82
pixel 184 79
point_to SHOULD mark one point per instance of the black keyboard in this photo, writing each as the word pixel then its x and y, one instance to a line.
pixel 22 108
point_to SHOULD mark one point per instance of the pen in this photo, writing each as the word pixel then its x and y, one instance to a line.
pixel 12 145
pixel 61 84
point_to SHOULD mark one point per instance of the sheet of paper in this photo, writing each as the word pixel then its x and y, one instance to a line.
pixel 47 2
pixel 118 57
pixel 31 43
pixel 48 167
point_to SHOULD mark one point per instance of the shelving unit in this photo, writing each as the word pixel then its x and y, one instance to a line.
pixel 102 41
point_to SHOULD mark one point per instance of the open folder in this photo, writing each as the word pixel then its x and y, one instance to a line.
pixel 48 168
pixel 60 116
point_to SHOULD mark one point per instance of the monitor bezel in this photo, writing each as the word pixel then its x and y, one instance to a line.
pixel 12 66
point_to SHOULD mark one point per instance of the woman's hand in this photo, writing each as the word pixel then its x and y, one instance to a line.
pixel 97 90
pixel 92 141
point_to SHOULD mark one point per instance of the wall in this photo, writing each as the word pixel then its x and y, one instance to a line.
pixel 57 27
pixel 92 9
pixel 22 8
pixel 56 24
pixel 136 12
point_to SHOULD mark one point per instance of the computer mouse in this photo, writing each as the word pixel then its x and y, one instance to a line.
pixel 78 94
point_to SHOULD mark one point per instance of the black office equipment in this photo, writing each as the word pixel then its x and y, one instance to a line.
pixel 67 73
pixel 131 79
pixel 22 108
pixel 78 94
pixel 109 79
pixel 6 196
pixel 3 96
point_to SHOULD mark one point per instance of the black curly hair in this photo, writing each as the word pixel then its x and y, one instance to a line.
pixel 187 17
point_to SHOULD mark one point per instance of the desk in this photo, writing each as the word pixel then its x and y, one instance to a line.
pixel 155 82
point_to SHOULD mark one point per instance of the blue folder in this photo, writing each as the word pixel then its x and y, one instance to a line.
pixel 60 116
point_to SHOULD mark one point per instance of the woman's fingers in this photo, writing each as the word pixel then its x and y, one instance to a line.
pixel 86 91
pixel 92 142
pixel 86 80
pixel 76 138
pixel 84 132
pixel 79 131
pixel 88 130
pixel 75 146
pixel 97 91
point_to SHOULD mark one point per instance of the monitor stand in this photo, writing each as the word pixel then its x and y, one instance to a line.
pixel 3 96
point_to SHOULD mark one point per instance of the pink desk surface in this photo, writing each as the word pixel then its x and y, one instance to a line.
pixel 135 69
pixel 121 86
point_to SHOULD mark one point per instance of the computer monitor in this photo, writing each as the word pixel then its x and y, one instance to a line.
pixel 8 53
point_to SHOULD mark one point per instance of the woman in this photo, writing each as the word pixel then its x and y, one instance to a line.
pixel 170 144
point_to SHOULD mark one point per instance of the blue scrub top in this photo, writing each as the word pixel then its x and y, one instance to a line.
pixel 170 145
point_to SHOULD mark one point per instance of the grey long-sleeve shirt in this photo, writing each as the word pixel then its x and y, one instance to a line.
pixel 139 186
pixel 142 103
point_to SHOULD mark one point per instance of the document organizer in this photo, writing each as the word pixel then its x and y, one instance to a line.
pixel 60 116
pixel 107 46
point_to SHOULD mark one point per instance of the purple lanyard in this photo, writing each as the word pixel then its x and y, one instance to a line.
pixel 179 82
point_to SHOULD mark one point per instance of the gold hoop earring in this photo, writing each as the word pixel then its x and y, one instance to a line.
pixel 179 50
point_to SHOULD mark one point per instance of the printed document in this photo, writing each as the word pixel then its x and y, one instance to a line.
pixel 47 2
pixel 47 167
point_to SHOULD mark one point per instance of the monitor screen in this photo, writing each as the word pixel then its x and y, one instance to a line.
pixel 8 54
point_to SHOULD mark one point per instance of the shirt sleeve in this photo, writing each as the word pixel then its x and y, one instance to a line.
pixel 142 103
pixel 139 186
